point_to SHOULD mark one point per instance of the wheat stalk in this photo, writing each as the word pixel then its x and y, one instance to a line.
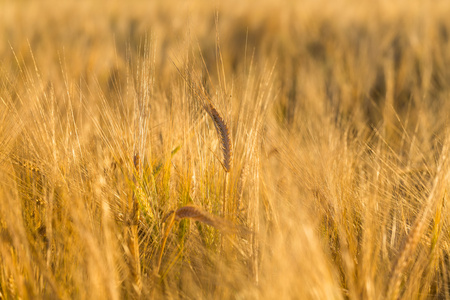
pixel 132 233
pixel 224 136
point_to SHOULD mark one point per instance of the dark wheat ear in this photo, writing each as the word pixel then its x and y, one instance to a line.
pixel 197 214
pixel 224 135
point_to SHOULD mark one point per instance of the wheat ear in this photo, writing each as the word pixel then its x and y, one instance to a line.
pixel 224 136
pixel 197 214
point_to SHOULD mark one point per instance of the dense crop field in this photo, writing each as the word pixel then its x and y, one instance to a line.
pixel 224 150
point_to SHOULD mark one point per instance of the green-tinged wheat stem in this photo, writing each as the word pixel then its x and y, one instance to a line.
pixel 170 222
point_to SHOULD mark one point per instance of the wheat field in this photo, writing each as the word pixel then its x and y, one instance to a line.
pixel 224 149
